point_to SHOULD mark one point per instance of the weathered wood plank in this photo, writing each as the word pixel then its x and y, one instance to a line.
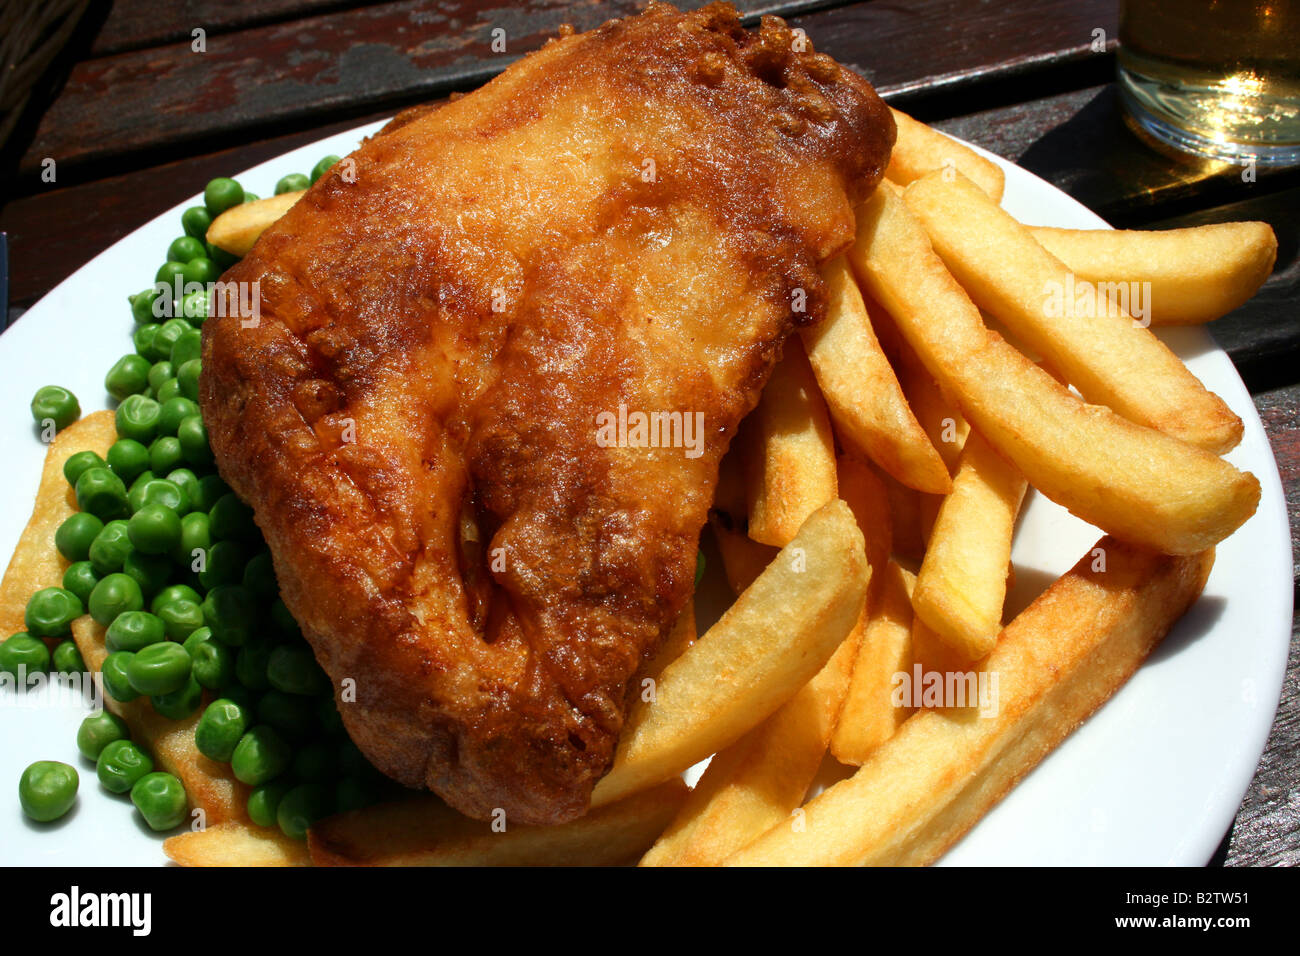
pixel 1267 825
pixel 134 24
pixel 252 81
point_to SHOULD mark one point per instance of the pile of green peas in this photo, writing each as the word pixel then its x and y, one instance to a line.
pixel 169 560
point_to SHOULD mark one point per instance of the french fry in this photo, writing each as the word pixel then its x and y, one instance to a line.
pixel 943 423
pixel 920 149
pixel 211 786
pixel 768 644
pixel 36 563
pixel 423 831
pixel 236 844
pixel 1197 274
pixel 792 472
pixel 962 583
pixel 865 400
pixel 869 717
pixel 743 558
pixel 761 778
pixel 1103 352
pixel 1133 482
pixel 865 494
pixel 236 229
pixel 1057 662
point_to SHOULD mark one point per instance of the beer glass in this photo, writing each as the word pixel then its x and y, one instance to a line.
pixel 1220 78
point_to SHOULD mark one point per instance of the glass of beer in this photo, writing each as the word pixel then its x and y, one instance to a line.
pixel 1219 78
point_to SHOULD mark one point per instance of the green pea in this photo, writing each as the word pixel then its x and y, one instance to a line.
pixel 21 654
pixel 174 593
pixel 160 491
pixel 75 534
pixel 120 766
pixel 294 670
pixel 98 731
pixel 113 672
pixel 225 564
pixel 143 338
pixel 259 577
pixel 322 167
pixel 220 729
pixel 78 464
pixel 193 437
pixel 214 663
pixel 201 269
pixel 128 459
pixel 47 790
pixel 221 257
pixel 150 571
pixel 185 480
pixel 168 390
pixel 171 413
pixel 251 663
pixel 195 221
pixel 185 248
pixel 294 182
pixel 187 348
pixel 211 488
pixel 129 374
pixel 187 377
pixel 241 695
pixel 160 372
pixel 315 763
pixel 168 272
pixel 51 611
pixel 67 658
pixel 181 618
pixel 52 403
pixel 294 717
pixel 102 493
pixel 116 594
pixel 230 611
pixel 302 806
pixel 134 631
pixel 195 540
pixel 110 548
pixel 220 194
pixel 264 801
pixel 165 453
pixel 169 334
pixel 261 755
pixel 232 519
pixel 142 306
pixel 159 668
pixel 80 579
pixel 137 418
pixel 161 800
pixel 180 703
pixel 251 197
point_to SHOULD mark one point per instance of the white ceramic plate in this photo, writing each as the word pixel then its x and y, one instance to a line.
pixel 1155 777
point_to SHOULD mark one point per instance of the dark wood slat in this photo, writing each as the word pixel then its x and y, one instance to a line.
pixel 134 24
pixel 362 60
pixel 54 232
pixel 1264 833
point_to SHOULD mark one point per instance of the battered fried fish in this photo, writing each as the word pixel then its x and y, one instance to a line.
pixel 435 416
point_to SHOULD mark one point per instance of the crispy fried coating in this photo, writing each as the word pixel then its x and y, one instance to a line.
pixel 628 220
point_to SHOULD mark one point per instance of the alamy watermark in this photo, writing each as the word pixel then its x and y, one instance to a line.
pixel 633 429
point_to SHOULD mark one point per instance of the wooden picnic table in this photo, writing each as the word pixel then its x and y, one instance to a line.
pixel 137 119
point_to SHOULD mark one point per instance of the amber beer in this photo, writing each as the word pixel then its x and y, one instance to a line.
pixel 1217 77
